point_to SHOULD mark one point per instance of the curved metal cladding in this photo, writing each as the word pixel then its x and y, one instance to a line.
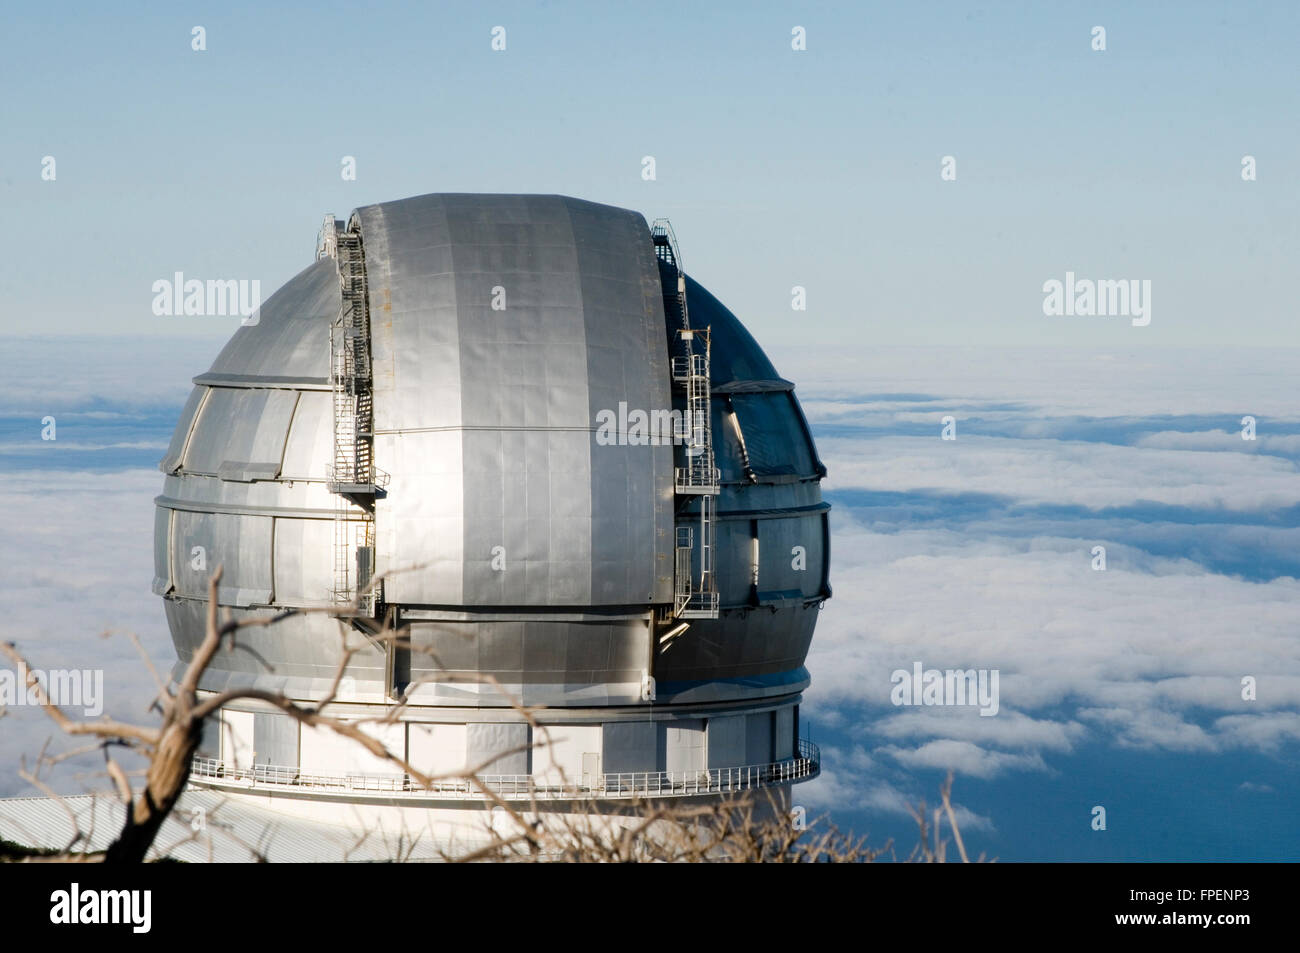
pixel 246 490
pixel 514 542
pixel 772 536
pixel 501 326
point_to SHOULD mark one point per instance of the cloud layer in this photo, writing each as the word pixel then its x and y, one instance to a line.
pixel 974 553
pixel 979 553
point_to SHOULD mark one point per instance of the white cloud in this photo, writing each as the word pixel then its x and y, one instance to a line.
pixel 854 781
pixel 53 446
pixel 1013 730
pixel 1167 633
pixel 79 563
pixel 962 757
pixel 977 554
pixel 1060 381
pixel 1267 731
pixel 1220 440
pixel 1061 473
pixel 1152 728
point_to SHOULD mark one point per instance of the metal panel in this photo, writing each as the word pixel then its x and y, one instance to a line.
pixel 783 737
pixel 437 749
pixel 237 738
pixel 241 433
pixel 275 739
pixel 778 539
pixel 299 654
pixel 774 435
pixel 734 544
pixel 534 650
pixel 726 742
pixel 740 644
pixel 509 519
pixel 240 544
pixel 736 356
pixel 324 751
pixel 626 360
pixel 685 745
pixel 559 759
pixel 581 329
pixel 419 522
pixel 499 748
pixel 162 563
pixel 521 368
pixel 303 574
pixel 171 461
pixel 210 739
pixel 213 495
pixel 310 445
pixel 291 336
pixel 758 738
pixel 630 746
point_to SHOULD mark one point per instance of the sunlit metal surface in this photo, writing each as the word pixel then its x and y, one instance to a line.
pixel 529 559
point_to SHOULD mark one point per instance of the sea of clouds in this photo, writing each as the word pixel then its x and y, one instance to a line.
pixel 977 553
pixel 969 553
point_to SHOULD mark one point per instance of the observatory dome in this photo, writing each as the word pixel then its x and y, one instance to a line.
pixel 513 428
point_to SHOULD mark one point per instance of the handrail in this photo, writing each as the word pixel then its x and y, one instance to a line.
pixel 626 784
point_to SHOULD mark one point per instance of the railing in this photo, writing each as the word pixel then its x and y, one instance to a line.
pixel 682 569
pixel 629 784
pixel 665 242
pixel 344 476
pixel 690 366
pixel 697 479
pixel 699 605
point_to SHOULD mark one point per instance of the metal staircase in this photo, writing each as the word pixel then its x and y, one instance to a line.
pixel 697 478
pixel 353 476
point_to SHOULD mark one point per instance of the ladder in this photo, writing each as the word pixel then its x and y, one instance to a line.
pixel 698 477
pixel 353 477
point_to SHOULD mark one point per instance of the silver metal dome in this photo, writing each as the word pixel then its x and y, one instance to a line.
pixel 513 541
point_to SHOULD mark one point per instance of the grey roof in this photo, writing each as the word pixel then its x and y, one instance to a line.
pixel 232 831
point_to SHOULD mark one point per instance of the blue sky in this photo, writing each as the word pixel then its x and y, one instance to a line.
pixel 778 168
